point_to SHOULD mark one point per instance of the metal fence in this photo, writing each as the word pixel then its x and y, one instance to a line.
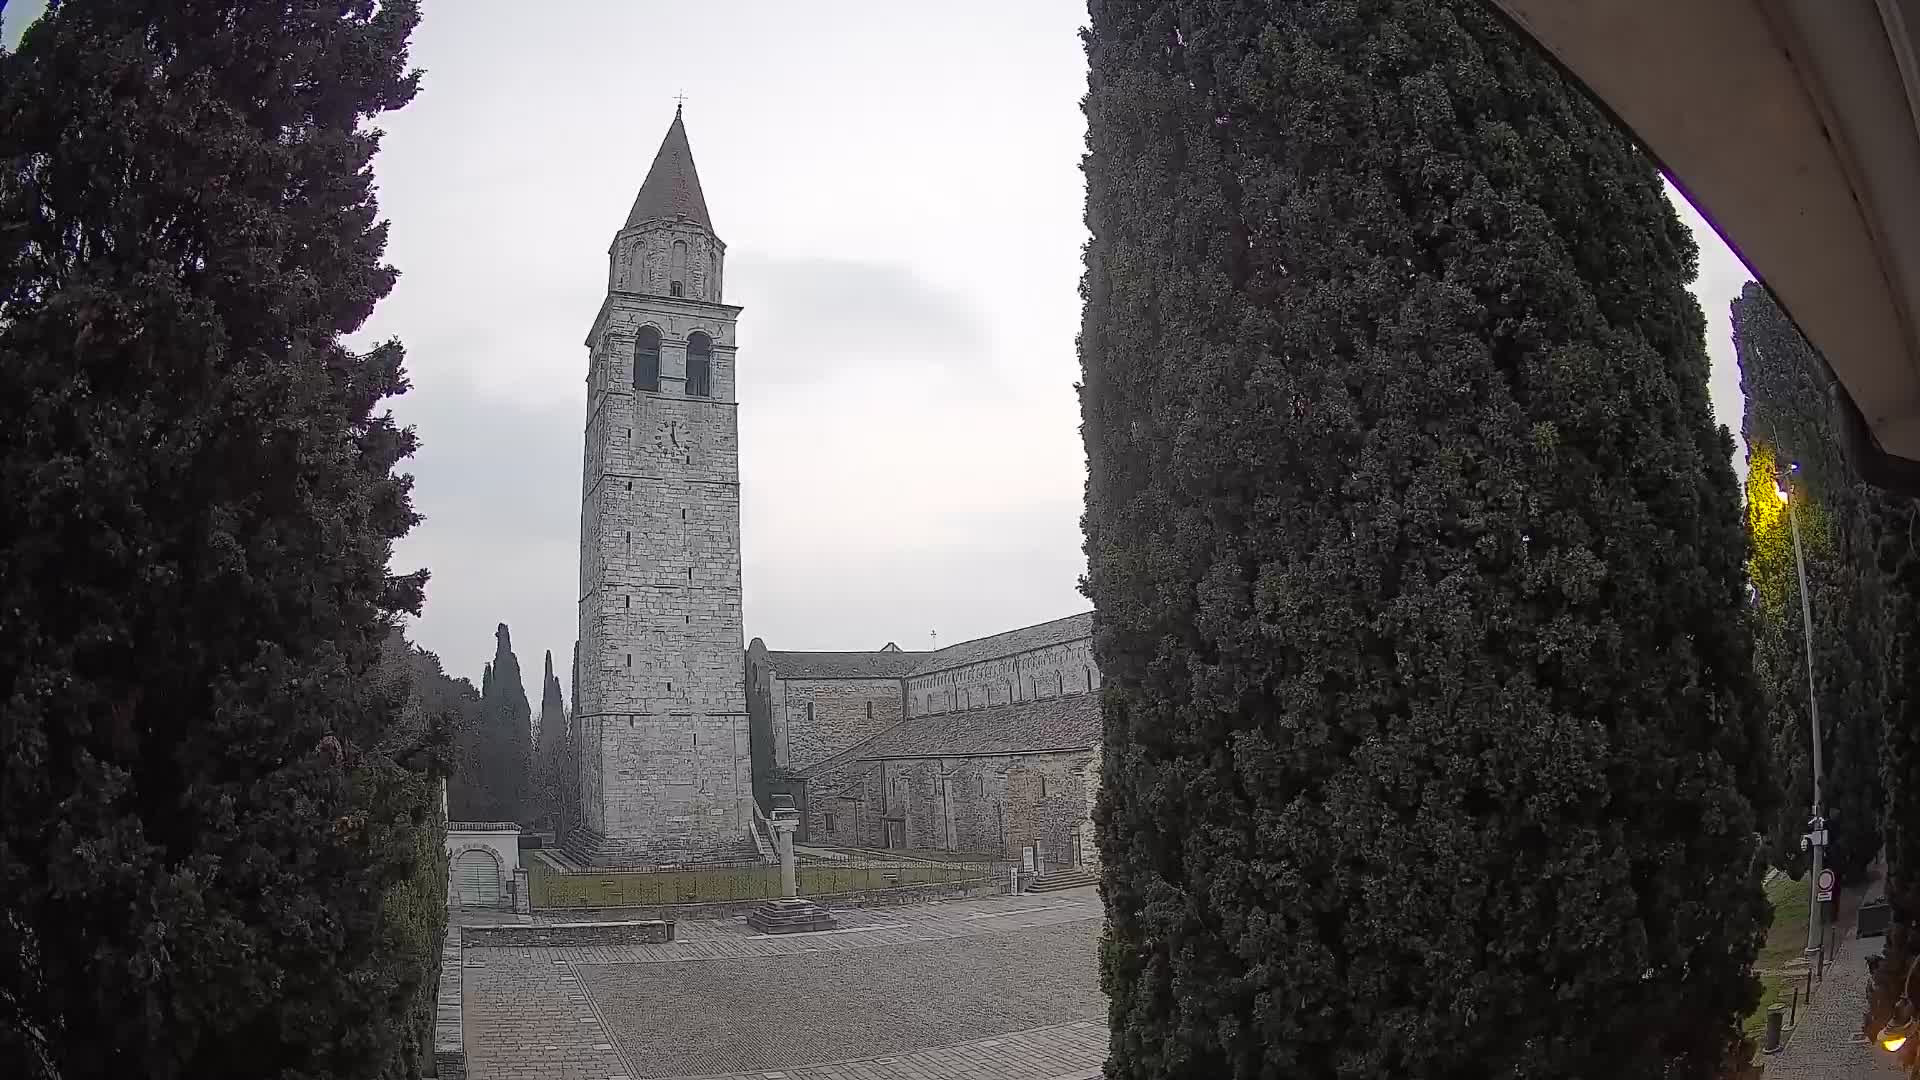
pixel 834 873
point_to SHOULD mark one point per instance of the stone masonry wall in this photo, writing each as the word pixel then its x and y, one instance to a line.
pixel 997 805
pixel 666 770
pixel 814 719
pixel 1038 673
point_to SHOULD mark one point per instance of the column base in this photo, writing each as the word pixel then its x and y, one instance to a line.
pixel 791 915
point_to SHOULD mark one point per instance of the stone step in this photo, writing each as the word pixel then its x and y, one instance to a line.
pixel 797 915
pixel 1069 878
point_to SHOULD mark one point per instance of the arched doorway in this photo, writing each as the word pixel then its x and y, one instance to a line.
pixel 476 878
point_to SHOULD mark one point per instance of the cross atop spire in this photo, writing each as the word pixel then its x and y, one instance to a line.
pixel 672 187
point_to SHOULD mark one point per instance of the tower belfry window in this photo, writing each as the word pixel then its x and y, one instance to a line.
pixel 699 365
pixel 646 360
pixel 678 276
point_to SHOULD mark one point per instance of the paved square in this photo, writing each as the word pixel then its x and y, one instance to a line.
pixel 1002 988
pixel 777 1013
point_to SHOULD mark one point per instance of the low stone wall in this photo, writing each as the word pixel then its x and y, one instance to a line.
pixel 992 885
pixel 523 935
pixel 449 1042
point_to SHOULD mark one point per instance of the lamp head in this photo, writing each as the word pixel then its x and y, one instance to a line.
pixel 1900 1028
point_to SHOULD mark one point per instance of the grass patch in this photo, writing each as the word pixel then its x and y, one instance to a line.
pixel 1774 986
pixel 1785 944
pixel 651 888
pixel 1787 937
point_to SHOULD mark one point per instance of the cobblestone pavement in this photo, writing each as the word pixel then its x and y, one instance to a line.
pixel 532 1023
pixel 1001 988
pixel 1061 1052
pixel 775 1013
pixel 1827 1044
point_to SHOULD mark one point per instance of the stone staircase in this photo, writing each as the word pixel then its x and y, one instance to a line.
pixel 1071 877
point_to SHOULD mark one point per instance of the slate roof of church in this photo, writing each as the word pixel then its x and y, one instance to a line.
pixel 1025 639
pixel 843 665
pixel 672 187
pixel 1068 722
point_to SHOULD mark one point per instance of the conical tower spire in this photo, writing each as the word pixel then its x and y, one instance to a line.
pixel 672 187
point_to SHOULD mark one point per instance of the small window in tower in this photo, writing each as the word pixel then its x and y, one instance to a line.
pixel 678 273
pixel 1043 787
pixel 869 710
pixel 626 602
pixel 629 660
pixel 699 365
pixel 677 289
pixel 646 360
pixel 809 712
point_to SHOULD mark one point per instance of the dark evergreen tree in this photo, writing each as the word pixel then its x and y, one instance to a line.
pixel 399 788
pixel 549 750
pixel 504 752
pixel 1788 426
pixel 1894 977
pixel 1431 744
pixel 468 796
pixel 570 754
pixel 461 703
pixel 200 504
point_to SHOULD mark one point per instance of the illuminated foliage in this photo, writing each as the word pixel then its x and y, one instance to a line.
pixel 1785 387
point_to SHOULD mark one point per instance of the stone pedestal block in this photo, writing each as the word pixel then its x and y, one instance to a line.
pixel 522 897
pixel 790 915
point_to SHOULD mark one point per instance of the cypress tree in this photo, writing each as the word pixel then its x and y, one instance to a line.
pixel 1431 745
pixel 1900 764
pixel 1788 425
pixel 505 748
pixel 570 809
pixel 550 749
pixel 201 504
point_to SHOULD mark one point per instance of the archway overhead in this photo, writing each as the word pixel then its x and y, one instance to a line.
pixel 1794 127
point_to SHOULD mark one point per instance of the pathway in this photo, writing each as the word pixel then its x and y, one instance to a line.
pixel 1827 1043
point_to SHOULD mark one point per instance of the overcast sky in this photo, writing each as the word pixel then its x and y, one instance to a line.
pixel 898 185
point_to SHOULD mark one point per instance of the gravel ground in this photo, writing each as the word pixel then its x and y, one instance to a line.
pixel 769 1013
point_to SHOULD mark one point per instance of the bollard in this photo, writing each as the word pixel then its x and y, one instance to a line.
pixel 1776 1016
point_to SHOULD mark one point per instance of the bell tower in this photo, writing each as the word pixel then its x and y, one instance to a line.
pixel 662 713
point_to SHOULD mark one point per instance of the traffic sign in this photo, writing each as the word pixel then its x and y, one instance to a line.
pixel 1823 886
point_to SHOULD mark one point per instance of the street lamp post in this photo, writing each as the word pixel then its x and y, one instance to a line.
pixel 1816 839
